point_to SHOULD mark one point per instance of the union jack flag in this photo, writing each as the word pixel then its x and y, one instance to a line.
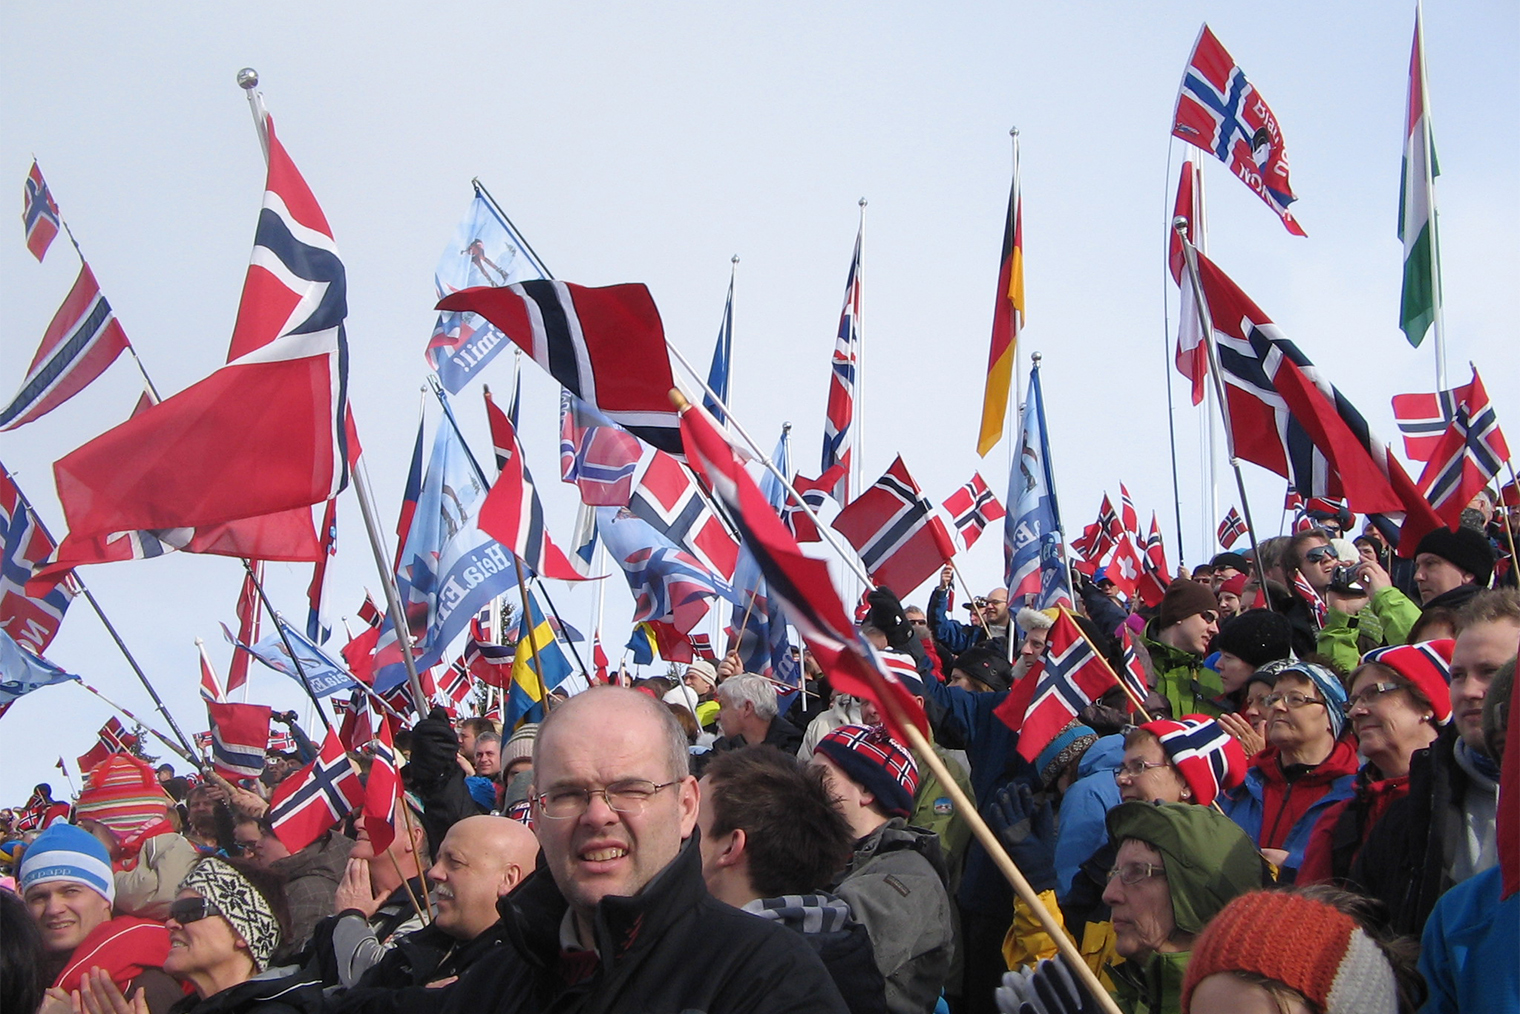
pixel 1469 454
pixel 1231 528
pixel 595 454
pixel 1208 757
pixel 1075 675
pixel 39 214
pixel 316 797
pixel 839 422
pixel 30 618
pixel 971 509
pixel 1219 111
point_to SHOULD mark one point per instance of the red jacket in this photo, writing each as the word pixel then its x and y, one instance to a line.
pixel 1340 831
pixel 124 947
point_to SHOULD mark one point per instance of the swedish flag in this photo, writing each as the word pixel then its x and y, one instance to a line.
pixel 530 682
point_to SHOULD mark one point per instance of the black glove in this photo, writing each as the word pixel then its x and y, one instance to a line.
pixel 1048 988
pixel 1028 831
pixel 886 615
pixel 434 747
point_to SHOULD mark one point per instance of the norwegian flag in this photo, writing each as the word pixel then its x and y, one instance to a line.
pixel 1231 528
pixel 1192 355
pixel 30 816
pixel 1209 758
pixel 1129 520
pixel 248 626
pixel 801 584
pixel 670 502
pixel 39 213
pixel 606 346
pixel 1093 542
pixel 316 797
pixel 1219 111
pixel 1308 594
pixel 211 686
pixel 490 663
pixel 370 612
pixel 30 616
pixel 281 741
pixel 381 791
pixel 83 338
pixel 702 645
pixel 265 433
pixel 1075 675
pixel 512 513
pixel 1132 675
pixel 971 509
pixel 455 682
pixel 815 493
pixel 839 421
pixel 239 737
pixel 1155 574
pixel 1285 416
pixel 1469 454
pixel 317 629
pixel 900 537
pixel 1423 419
pixel 599 661
pixel 111 739
pixel 1125 567
pixel 595 454
pixel 356 726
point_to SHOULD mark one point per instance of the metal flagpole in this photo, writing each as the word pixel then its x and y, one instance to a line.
pixel 858 457
pixel 178 749
pixel 1426 167
pixel 1166 366
pixel 1201 241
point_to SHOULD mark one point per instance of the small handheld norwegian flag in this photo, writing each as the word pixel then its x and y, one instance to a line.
pixel 1231 528
pixel 316 797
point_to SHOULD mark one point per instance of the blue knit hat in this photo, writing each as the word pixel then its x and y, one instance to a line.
pixel 1330 688
pixel 65 852
pixel 1069 744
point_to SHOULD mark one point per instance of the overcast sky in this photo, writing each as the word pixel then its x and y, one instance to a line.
pixel 651 143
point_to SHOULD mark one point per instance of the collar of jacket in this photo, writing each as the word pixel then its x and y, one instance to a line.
pixel 895 836
pixel 285 984
pixel 1341 762
pixel 532 914
pixel 1166 657
pixel 1157 983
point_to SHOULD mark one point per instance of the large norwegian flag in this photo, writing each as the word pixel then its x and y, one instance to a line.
pixel 670 502
pixel 30 616
pixel 263 434
pixel 1192 355
pixel 971 509
pixel 1285 416
pixel 597 455
pixel 801 584
pixel 1221 112
pixel 239 737
pixel 315 798
pixel 512 513
pixel 900 537
pixel 381 791
pixel 1469 454
pixel 1075 675
pixel 605 346
pixel 839 420
pixel 83 338
pixel 39 213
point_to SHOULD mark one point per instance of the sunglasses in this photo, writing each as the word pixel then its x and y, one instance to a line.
pixel 1209 616
pixel 188 910
pixel 1319 554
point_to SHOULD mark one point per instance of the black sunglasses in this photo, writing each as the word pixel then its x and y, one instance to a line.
pixel 188 910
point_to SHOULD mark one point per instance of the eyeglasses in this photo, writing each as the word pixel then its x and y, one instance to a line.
pixel 1319 554
pixel 1131 874
pixel 1293 699
pixel 1209 616
pixel 1373 692
pixel 242 848
pixel 628 797
pixel 1134 769
pixel 188 910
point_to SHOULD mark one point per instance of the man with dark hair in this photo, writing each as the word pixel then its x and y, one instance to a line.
pixel 1451 567
pixel 771 843
pixel 1178 638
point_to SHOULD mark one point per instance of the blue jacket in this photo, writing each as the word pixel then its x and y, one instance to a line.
pixel 1084 809
pixel 1246 804
pixel 1467 953
pixel 953 634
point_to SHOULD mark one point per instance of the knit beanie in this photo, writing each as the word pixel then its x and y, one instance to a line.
pixel 519 746
pixel 1330 688
pixel 1069 744
pixel 1234 560
pixel 1268 673
pixel 122 792
pixel 1256 637
pixel 1208 758
pixel 1464 549
pixel 240 903
pixel 1305 944
pixel 704 670
pixel 1184 598
pixel 1209 860
pixel 872 758
pixel 1427 667
pixel 1235 586
pixel 987 662
pixel 68 853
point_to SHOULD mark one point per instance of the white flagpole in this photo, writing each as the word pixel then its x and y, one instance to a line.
pixel 1016 211
pixel 859 422
pixel 1428 169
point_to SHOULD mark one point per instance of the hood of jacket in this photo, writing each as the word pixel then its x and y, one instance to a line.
pixel 284 986
pixel 894 836
pixel 1104 755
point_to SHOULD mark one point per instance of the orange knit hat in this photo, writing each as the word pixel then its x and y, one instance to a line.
pixel 1302 943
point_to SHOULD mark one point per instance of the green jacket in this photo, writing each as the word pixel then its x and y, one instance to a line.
pixel 934 810
pixel 1386 620
pixel 1154 988
pixel 1182 680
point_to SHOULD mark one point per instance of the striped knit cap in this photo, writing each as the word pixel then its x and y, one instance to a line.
pixel 1427 666
pixel 123 794
pixel 881 765
pixel 1302 943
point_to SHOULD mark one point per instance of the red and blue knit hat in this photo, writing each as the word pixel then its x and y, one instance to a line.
pixel 1209 759
pixel 1427 668
pixel 881 765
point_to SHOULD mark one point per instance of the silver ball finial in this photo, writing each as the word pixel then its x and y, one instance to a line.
pixel 1180 224
pixel 1013 131
pixel 248 79
pixel 1036 357
pixel 862 202
pixel 734 259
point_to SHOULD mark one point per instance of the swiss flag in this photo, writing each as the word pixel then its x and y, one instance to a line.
pixel 1125 566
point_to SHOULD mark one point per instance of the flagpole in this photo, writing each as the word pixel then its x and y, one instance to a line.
pixel 527 625
pixel 179 750
pixel 1428 169
pixel 285 640
pixel 73 791
pixel 1166 368
pixel 388 585
pixel 1206 324
pixel 1016 212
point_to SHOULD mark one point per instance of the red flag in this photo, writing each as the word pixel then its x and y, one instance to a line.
pixel 239 737
pixel 1155 574
pixel 112 738
pixel 1075 675
pixel 1231 528
pixel 1468 455
pixel 31 610
pixel 814 492
pixel 39 213
pixel 315 798
pixel 900 537
pixel 1126 566
pixel 211 687
pixel 359 654
pixel 263 434
pixel 381 792
pixel 1129 520
pixel 599 658
pixel 670 502
pixel 971 509
pixel 248 626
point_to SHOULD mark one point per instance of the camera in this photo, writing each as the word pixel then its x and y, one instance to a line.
pixel 1343 580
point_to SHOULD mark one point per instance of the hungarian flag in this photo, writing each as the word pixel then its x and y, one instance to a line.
pixel 315 798
pixel 263 434
pixel 239 737
pixel 1007 321
pixel 900 537
pixel 1469 454
pixel 381 792
pixel 1075 675
pixel 1420 296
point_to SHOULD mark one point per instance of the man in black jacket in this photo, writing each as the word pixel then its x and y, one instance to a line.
pixel 747 716
pixel 617 917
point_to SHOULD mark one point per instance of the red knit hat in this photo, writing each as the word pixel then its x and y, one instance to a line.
pixel 123 793
pixel 1302 943
pixel 1427 666
pixel 1209 759
pixel 881 765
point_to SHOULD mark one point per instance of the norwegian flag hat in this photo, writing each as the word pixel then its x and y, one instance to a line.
pixel 1207 757
pixel 1426 667
pixel 877 762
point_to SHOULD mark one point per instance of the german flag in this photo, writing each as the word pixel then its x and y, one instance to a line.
pixel 1007 320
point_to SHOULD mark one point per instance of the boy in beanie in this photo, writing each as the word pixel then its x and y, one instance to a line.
pixel 67 883
pixel 1177 639
pixel 895 882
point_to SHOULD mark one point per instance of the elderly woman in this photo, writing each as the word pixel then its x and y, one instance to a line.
pixel 1306 767
pixel 224 927
pixel 1399 697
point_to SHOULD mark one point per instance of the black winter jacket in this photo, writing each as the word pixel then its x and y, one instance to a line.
pixel 397 984
pixel 275 991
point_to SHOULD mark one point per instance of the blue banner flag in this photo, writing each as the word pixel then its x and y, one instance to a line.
pixel 485 250
pixel 717 374
pixel 1033 554
pixel 323 674
pixel 21 672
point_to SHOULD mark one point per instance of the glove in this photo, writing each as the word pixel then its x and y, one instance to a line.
pixel 1048 988
pixel 434 747
pixel 886 615
pixel 1028 831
